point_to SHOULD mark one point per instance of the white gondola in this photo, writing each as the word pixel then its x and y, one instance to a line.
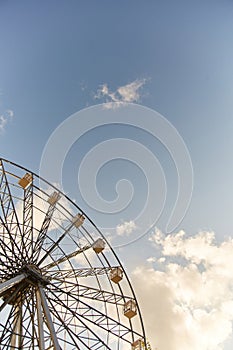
pixel 78 220
pixel 25 181
pixel 54 198
pixel 130 308
pixel 99 245
pixel 116 274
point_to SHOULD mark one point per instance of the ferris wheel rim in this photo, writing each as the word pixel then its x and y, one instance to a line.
pixel 91 222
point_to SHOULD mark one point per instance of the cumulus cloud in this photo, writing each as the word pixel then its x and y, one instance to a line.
pixel 5 118
pixel 126 228
pixel 128 93
pixel 187 299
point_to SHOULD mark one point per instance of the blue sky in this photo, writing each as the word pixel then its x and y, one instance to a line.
pixel 55 55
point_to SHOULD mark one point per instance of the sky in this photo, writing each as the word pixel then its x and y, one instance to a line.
pixel 116 102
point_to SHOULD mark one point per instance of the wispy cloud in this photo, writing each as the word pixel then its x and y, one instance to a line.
pixel 129 93
pixel 3 122
pixel 192 301
pixel 9 113
pixel 5 118
pixel 126 228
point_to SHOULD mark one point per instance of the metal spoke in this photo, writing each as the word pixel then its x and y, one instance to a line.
pixel 23 323
pixel 93 315
pixel 8 208
pixel 43 232
pixel 7 328
pixel 81 272
pixel 31 330
pixel 91 293
pixel 72 334
pixel 13 241
pixel 5 252
pixel 84 330
pixel 27 239
pixel 67 257
pixel 55 245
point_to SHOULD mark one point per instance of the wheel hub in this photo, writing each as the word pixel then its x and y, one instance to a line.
pixel 34 275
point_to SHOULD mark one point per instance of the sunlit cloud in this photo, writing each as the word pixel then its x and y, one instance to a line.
pixel 129 93
pixel 126 228
pixel 186 293
pixel 151 259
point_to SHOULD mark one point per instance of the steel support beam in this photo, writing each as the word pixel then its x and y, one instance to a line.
pixel 4 286
pixel 16 338
pixel 49 319
pixel 40 320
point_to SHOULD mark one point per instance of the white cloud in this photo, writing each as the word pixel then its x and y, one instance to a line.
pixel 187 305
pixel 151 259
pixel 3 122
pixel 126 228
pixel 10 113
pixel 5 118
pixel 128 93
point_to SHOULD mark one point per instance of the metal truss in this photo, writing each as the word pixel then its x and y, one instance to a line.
pixel 27 239
pixel 56 290
pixel 43 232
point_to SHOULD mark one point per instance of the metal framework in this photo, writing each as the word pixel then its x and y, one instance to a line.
pixel 55 286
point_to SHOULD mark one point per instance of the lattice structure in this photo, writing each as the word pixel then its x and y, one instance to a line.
pixel 61 284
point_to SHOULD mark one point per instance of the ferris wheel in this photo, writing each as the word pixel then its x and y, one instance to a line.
pixel 61 284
